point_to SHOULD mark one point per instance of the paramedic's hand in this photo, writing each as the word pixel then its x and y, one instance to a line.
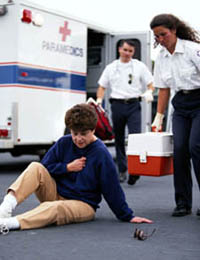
pixel 141 220
pixel 99 101
pixel 157 123
pixel 148 95
pixel 76 165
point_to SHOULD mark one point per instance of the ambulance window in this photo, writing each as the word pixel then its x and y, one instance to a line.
pixel 137 54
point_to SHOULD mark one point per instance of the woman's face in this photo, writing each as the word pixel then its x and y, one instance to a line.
pixel 165 37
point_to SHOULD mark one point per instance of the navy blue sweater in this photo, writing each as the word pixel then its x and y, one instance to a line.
pixel 97 178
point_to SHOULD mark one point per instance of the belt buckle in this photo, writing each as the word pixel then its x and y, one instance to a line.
pixel 186 91
pixel 126 101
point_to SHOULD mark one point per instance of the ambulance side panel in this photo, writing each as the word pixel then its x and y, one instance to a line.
pixel 43 73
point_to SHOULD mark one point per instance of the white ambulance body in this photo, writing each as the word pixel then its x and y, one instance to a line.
pixel 49 62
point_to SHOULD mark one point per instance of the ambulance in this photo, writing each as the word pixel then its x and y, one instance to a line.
pixel 50 61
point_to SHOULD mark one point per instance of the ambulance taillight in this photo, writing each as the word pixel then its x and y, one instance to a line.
pixel 26 16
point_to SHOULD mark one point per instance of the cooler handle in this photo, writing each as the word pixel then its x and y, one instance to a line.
pixel 143 157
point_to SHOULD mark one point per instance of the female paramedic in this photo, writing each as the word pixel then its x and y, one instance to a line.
pixel 177 68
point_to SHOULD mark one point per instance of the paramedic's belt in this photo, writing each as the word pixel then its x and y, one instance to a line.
pixel 125 101
pixel 190 91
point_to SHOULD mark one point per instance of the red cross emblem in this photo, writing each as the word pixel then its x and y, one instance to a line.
pixel 64 31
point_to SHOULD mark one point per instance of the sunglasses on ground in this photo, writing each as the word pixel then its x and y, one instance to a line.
pixel 141 235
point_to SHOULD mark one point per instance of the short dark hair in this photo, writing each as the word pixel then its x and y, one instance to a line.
pixel 128 41
pixel 81 117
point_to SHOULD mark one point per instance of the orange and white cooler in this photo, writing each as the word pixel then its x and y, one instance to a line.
pixel 150 154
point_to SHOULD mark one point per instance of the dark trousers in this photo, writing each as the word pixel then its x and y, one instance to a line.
pixel 122 115
pixel 186 132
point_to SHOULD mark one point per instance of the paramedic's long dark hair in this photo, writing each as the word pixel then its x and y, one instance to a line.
pixel 183 31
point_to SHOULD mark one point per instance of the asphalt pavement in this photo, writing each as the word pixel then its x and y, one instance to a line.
pixel 106 237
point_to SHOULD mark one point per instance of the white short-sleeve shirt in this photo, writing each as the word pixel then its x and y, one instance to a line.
pixel 180 70
pixel 116 76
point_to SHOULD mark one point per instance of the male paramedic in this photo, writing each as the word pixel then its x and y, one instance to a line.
pixel 126 78
pixel 70 180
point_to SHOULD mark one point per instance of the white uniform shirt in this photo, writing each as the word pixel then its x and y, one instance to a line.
pixel 116 76
pixel 180 70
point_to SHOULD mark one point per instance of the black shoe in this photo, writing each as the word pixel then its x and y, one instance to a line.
pixel 132 179
pixel 122 176
pixel 198 212
pixel 181 211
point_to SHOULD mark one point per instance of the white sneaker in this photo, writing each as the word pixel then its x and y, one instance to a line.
pixel 7 206
pixel 7 224
pixel 5 213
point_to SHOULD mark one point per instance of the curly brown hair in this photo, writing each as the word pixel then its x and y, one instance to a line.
pixel 183 30
pixel 81 117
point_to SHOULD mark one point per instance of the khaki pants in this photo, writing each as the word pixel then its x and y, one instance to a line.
pixel 53 209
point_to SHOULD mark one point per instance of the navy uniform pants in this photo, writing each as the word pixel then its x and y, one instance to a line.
pixel 186 132
pixel 123 115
